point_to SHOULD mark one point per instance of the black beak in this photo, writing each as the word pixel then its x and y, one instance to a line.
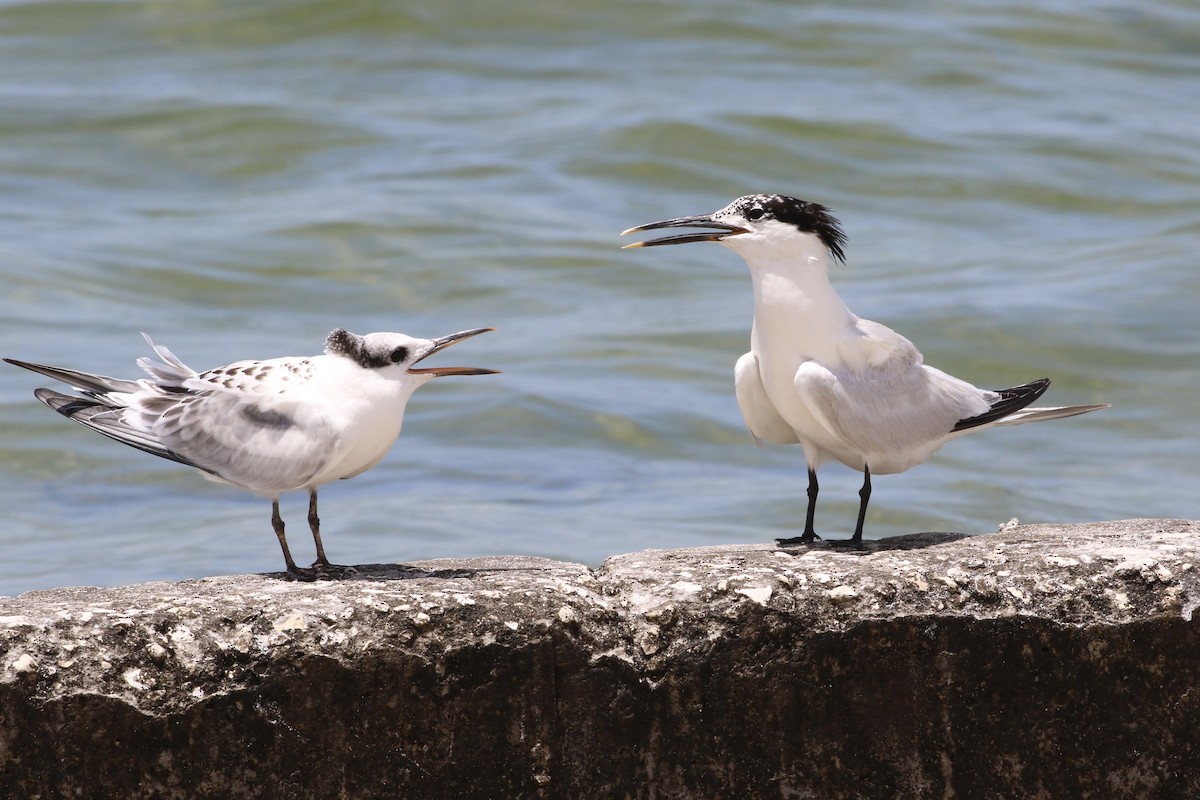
pixel 724 229
pixel 442 344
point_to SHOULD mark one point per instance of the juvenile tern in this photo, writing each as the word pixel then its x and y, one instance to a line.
pixel 265 426
pixel 842 387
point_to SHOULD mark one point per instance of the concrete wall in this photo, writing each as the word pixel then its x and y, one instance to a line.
pixel 1041 661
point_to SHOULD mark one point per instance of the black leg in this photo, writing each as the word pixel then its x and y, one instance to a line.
pixel 810 535
pixel 314 523
pixel 809 532
pixel 864 495
pixel 277 524
pixel 322 566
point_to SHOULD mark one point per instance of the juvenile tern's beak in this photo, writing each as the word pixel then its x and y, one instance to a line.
pixel 724 229
pixel 442 344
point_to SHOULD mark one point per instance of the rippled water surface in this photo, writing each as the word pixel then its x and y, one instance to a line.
pixel 1020 182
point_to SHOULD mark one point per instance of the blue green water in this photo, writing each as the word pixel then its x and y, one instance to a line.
pixel 1020 183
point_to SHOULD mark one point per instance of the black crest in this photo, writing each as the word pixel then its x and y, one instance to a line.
pixel 806 216
pixel 350 345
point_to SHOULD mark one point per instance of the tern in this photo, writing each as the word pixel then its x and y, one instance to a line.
pixel 268 426
pixel 817 375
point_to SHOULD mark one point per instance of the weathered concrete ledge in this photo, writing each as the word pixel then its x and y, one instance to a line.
pixel 1040 661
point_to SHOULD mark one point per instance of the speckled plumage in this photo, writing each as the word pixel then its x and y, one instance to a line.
pixel 265 426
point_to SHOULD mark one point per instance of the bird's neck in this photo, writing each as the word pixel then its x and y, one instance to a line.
pixel 795 306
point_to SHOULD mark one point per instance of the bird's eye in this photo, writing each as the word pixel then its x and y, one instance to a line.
pixel 399 354
pixel 755 213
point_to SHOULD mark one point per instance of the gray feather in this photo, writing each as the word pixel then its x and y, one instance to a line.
pixel 83 381
pixel 1041 414
pixel 107 420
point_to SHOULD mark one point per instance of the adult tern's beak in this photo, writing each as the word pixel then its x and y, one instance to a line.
pixel 724 229
pixel 442 344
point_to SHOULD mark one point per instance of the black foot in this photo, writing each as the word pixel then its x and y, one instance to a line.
pixel 324 571
pixel 301 574
pixel 849 544
pixel 320 572
pixel 795 541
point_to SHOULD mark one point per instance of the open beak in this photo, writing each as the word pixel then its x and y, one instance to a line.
pixel 442 344
pixel 724 230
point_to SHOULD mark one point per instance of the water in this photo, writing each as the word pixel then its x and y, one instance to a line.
pixel 1019 182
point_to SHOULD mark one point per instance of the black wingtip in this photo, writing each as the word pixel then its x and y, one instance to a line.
pixel 64 404
pixel 91 414
pixel 1011 401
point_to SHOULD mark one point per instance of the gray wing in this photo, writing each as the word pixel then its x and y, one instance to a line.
pixel 94 385
pixel 883 397
pixel 264 448
pixel 232 431
pixel 107 420
pixel 239 441
pixel 895 415
pixel 99 409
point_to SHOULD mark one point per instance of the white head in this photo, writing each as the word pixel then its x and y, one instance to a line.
pixel 395 355
pixel 761 226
